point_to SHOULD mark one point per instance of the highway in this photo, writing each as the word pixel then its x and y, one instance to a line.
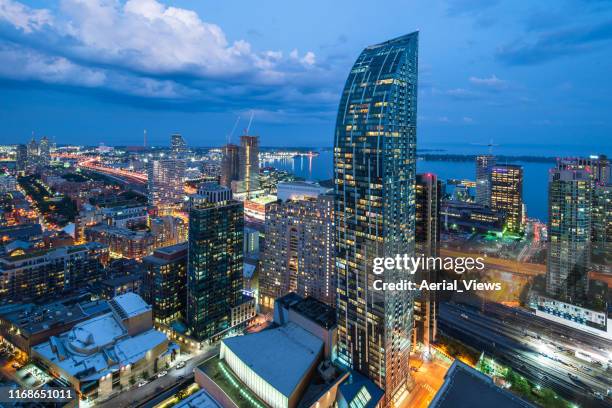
pixel 538 350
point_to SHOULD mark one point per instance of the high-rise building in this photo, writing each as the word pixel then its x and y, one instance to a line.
pixel 299 251
pixel 427 224
pixel 507 194
pixel 230 167
pixel 569 233
pixel 33 152
pixel 44 151
pixel 21 159
pixel 427 236
pixel 165 181
pixel 374 177
pixel 51 272
pixel 215 261
pixel 598 167
pixel 601 224
pixel 484 165
pixel 165 282
pixel 249 165
pixel 178 146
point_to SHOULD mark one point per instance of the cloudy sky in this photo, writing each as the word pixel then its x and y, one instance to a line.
pixel 91 71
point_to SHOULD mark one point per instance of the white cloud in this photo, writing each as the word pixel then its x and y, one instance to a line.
pixel 490 82
pixel 23 17
pixel 141 47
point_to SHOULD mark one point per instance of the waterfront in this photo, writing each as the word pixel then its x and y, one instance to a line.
pixel 535 193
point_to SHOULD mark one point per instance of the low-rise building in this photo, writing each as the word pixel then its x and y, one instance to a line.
pixel 465 386
pixel 24 325
pixel 103 355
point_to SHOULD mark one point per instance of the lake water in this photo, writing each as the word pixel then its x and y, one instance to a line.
pixel 535 182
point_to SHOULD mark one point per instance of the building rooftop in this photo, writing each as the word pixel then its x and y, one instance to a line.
pixel 32 319
pixel 100 345
pixel 465 387
pixel 358 390
pixel 262 351
pixel 199 399
pixel 311 308
pixel 130 304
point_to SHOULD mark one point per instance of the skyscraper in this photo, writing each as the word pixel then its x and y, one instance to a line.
pixel 33 152
pixel 299 251
pixel 178 146
pixel 165 181
pixel 507 194
pixel 214 274
pixel 21 159
pixel 484 165
pixel 249 164
pixel 374 175
pixel 601 224
pixel 230 165
pixel 44 151
pixel 427 235
pixel 569 233
pixel 164 282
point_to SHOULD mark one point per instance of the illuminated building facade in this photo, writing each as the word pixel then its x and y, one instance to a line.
pixel 569 233
pixel 230 165
pixel 21 158
pixel 374 177
pixel 178 146
pixel 484 165
pixel 164 282
pixel 249 165
pixel 215 261
pixel 51 272
pixel 44 151
pixel 427 236
pixel 601 225
pixel 507 194
pixel 165 181
pixel 299 251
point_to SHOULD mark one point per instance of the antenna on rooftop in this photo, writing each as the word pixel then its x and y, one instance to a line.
pixel 145 138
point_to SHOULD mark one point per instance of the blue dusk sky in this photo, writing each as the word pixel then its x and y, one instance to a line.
pixel 91 71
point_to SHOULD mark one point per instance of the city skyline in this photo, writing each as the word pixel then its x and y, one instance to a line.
pixel 487 70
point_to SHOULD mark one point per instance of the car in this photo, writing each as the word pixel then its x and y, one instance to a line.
pixel 180 365
pixel 142 382
pixel 161 374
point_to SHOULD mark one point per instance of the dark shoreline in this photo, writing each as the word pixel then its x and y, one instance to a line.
pixel 472 157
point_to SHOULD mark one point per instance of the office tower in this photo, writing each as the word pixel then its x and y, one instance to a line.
pixel 165 282
pixel 427 236
pixel 165 181
pixel 569 233
pixel 374 174
pixel 230 166
pixel 601 224
pixel 299 251
pixel 484 165
pixel 249 165
pixel 32 152
pixel 44 151
pixel 214 274
pixel 21 159
pixel 51 272
pixel 507 194
pixel 178 146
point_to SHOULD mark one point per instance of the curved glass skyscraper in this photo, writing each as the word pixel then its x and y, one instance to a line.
pixel 374 173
